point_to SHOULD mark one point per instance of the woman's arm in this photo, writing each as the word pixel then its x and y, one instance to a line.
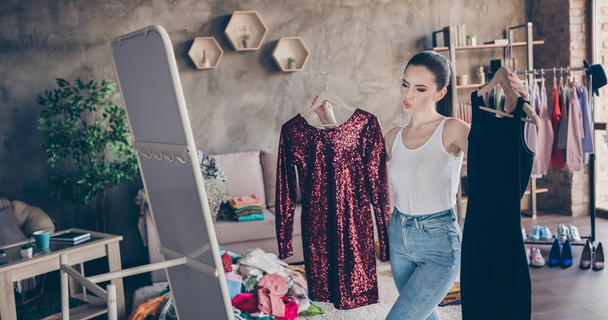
pixel 456 136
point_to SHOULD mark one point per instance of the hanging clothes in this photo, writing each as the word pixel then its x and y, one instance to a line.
pixel 564 104
pixel 574 148
pixel 341 172
pixel 493 255
pixel 531 130
pixel 557 156
pixel 545 132
pixel 587 142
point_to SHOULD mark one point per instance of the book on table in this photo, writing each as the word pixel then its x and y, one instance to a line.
pixel 71 237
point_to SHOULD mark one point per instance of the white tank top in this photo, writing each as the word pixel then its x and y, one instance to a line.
pixel 424 180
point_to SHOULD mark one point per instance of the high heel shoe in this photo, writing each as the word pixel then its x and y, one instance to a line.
pixel 566 257
pixel 554 255
pixel 598 258
pixel 586 256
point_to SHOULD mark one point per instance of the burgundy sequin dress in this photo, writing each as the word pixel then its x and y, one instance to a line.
pixel 342 171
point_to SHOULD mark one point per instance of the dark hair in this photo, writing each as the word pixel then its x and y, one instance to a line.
pixel 442 69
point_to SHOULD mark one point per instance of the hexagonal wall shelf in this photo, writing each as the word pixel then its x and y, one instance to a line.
pixel 290 47
pixel 246 23
pixel 205 47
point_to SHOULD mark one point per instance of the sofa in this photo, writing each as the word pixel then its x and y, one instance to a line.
pixel 247 173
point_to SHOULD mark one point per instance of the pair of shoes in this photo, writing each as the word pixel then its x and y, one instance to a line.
pixel 523 233
pixel 540 233
pixel 560 255
pixel 589 258
pixel 562 233
pixel 534 256
pixel 574 236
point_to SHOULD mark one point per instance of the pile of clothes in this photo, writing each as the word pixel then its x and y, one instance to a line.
pixel 262 287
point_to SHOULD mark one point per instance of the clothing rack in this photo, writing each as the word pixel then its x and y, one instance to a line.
pixel 592 212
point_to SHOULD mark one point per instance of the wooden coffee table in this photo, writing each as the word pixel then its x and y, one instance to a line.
pixel 14 268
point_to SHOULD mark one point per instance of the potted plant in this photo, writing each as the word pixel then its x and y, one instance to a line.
pixel 471 39
pixel 86 139
pixel 291 63
pixel 27 250
pixel 245 36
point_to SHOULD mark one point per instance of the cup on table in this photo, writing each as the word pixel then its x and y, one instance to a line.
pixel 42 238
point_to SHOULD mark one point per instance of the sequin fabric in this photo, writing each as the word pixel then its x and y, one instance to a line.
pixel 341 172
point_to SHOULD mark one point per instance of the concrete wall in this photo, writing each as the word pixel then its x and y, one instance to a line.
pixel 238 106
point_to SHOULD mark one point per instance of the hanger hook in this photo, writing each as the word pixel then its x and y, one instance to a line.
pixel 508 51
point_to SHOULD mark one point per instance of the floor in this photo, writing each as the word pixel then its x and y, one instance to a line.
pixel 557 293
pixel 571 293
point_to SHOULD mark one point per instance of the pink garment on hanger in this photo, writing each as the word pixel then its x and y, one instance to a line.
pixel 545 134
pixel 574 147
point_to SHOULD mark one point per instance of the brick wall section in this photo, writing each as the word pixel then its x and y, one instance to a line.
pixel 562 24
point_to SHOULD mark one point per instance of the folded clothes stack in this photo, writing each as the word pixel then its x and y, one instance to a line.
pixel 248 208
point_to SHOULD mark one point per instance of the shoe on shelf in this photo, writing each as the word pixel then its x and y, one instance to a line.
pixel 545 233
pixel 598 258
pixel 586 256
pixel 528 254
pixel 562 233
pixel 536 258
pixel 535 235
pixel 566 257
pixel 523 233
pixel 554 255
pixel 573 233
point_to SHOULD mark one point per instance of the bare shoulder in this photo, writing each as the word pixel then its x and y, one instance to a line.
pixel 389 138
pixel 456 135
pixel 456 128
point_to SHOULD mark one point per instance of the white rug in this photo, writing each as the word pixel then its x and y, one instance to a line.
pixel 388 295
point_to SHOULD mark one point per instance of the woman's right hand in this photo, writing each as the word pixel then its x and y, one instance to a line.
pixel 325 112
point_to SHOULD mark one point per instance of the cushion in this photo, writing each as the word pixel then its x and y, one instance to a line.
pixel 9 230
pixel 31 218
pixel 243 174
pixel 216 194
pixel 269 165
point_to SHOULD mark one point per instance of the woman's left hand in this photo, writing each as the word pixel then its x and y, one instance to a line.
pixel 520 90
pixel 518 86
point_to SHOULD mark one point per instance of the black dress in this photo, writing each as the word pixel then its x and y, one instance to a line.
pixel 495 281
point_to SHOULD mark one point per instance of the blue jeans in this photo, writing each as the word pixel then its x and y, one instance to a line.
pixel 425 261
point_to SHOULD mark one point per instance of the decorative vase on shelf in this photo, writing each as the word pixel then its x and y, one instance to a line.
pixel 291 64
pixel 245 42
pixel 471 40
pixel 205 60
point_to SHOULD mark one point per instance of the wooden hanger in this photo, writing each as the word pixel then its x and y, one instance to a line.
pixel 501 76
pixel 332 98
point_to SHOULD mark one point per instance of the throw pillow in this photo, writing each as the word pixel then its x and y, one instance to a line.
pixel 9 230
pixel 216 194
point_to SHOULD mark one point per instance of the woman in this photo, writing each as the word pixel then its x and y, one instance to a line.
pixel 425 158
pixel 424 170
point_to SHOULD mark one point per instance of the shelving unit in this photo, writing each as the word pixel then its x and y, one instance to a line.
pixel 248 22
pixel 212 49
pixel 451 50
pixel 290 47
